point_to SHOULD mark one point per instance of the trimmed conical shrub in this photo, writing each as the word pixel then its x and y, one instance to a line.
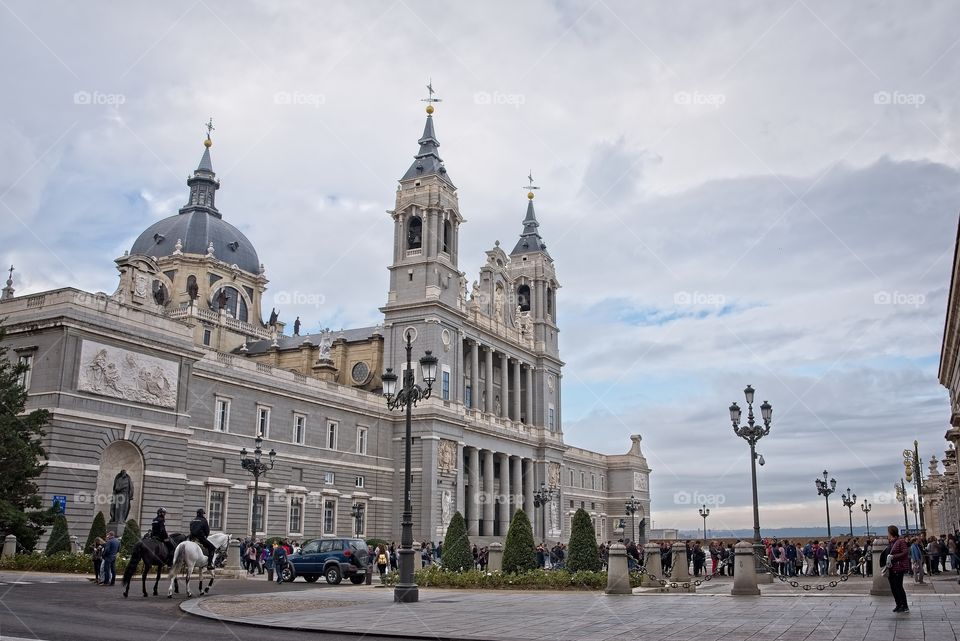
pixel 97 528
pixel 457 555
pixel 583 554
pixel 518 552
pixel 131 534
pixel 59 536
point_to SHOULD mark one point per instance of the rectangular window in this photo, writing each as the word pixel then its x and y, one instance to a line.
pixel 218 465
pixel 583 479
pixel 445 385
pixel 299 428
pixel 263 421
pixel 359 481
pixel 222 417
pixel 206 337
pixel 583 504
pixel 603 483
pixel 329 516
pixel 296 474
pixel 296 516
pixel 328 478
pixel 218 500
pixel 593 505
pixel 259 512
pixel 593 481
pixel 361 440
pixel 468 396
pixel 571 478
pixel 571 505
pixel 332 435
pixel 25 360
pixel 551 418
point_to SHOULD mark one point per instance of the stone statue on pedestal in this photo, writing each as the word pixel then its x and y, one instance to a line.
pixel 122 497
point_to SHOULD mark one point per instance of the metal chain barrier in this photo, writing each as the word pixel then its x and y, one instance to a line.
pixel 642 571
pixel 807 587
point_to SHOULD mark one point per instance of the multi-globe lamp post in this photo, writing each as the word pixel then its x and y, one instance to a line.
pixel 825 488
pixel 751 433
pixel 866 507
pixel 409 395
pixel 542 497
pixel 901 490
pixel 258 468
pixel 631 508
pixel 704 513
pixel 849 500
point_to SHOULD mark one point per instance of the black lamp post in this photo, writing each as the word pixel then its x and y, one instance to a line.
pixel 409 395
pixel 541 498
pixel 866 507
pixel 751 433
pixel 849 500
pixel 258 468
pixel 826 489
pixel 704 512
pixel 357 512
pixel 901 489
pixel 631 508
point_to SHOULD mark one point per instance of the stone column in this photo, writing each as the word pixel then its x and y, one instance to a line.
pixel 618 575
pixel 652 563
pixel 488 406
pixel 528 482
pixel 487 493
pixel 473 510
pixel 9 545
pixel 494 557
pixel 475 375
pixel 680 567
pixel 504 493
pixel 461 486
pixel 516 391
pixel 504 386
pixel 880 585
pixel 530 411
pixel 745 574
pixel 516 488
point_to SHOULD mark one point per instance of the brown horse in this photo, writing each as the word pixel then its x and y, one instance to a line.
pixel 153 553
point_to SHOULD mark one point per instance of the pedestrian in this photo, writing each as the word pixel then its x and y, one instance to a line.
pixel 898 562
pixel 251 559
pixel 97 556
pixel 933 551
pixel 266 560
pixel 382 561
pixel 916 560
pixel 279 562
pixel 108 566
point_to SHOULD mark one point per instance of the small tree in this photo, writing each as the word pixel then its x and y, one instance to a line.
pixel 131 534
pixel 584 554
pixel 59 536
pixel 97 529
pixel 518 551
pixel 457 554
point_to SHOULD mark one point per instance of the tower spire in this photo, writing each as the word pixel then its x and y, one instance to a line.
pixel 530 239
pixel 203 184
pixel 8 290
pixel 427 162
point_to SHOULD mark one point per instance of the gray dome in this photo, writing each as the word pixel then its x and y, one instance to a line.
pixel 196 230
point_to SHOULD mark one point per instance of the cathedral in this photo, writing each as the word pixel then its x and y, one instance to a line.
pixel 163 384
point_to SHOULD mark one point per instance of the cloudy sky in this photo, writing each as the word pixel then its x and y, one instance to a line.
pixel 734 193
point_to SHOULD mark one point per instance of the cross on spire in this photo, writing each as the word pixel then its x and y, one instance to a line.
pixel 530 187
pixel 431 92
pixel 11 272
pixel 209 126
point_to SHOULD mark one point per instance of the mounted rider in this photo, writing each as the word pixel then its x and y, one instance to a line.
pixel 158 531
pixel 199 531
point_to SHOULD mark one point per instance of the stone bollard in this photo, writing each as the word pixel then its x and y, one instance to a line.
pixel 231 568
pixel 680 567
pixel 881 584
pixel 75 545
pixel 417 557
pixel 618 574
pixel 9 545
pixel 494 557
pixel 653 565
pixel 745 572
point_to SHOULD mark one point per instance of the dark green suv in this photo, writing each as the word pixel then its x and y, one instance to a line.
pixel 332 558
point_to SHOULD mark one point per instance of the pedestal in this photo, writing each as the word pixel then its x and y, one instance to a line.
pixel 680 567
pixel 9 545
pixel 745 572
pixel 881 584
pixel 116 528
pixel 652 563
pixel 618 574
pixel 494 557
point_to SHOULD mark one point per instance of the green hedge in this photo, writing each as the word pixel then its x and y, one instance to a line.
pixel 436 577
pixel 61 562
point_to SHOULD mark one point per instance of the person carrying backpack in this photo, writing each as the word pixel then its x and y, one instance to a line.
pixel 279 561
pixel 383 560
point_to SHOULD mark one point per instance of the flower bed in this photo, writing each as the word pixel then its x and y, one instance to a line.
pixel 62 562
pixel 437 577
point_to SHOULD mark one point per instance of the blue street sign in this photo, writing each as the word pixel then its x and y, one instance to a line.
pixel 60 503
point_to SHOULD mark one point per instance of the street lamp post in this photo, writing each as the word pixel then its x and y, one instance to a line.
pixel 913 508
pixel 258 468
pixel 901 489
pixel 631 509
pixel 357 512
pixel 751 433
pixel 704 513
pixel 826 489
pixel 849 500
pixel 541 498
pixel 409 395
pixel 866 507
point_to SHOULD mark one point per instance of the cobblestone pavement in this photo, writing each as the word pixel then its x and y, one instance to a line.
pixel 847 613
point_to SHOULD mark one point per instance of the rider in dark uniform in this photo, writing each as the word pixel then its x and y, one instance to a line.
pixel 158 530
pixel 199 531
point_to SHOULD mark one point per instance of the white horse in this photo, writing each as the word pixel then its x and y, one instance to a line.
pixel 190 555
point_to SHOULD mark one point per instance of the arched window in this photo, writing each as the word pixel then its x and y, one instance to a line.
pixel 550 302
pixel 232 301
pixel 447 236
pixel 523 298
pixel 415 233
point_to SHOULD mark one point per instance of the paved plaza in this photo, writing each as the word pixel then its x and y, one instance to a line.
pixel 845 613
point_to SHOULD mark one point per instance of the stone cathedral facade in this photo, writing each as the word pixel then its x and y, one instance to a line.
pixel 176 371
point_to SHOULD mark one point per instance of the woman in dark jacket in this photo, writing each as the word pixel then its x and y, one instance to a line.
pixel 898 560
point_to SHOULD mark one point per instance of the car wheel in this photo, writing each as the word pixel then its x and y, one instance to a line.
pixel 357 579
pixel 332 575
pixel 289 574
pixel 311 578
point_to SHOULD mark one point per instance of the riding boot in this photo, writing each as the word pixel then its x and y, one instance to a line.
pixel 210 559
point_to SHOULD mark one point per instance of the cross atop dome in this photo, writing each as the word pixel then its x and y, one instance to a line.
pixel 530 186
pixel 209 127
pixel 430 99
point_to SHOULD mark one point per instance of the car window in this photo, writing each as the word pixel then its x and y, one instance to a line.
pixel 357 544
pixel 331 545
pixel 326 546
pixel 311 548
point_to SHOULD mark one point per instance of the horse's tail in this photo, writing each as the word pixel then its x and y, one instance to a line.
pixel 132 564
pixel 178 559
